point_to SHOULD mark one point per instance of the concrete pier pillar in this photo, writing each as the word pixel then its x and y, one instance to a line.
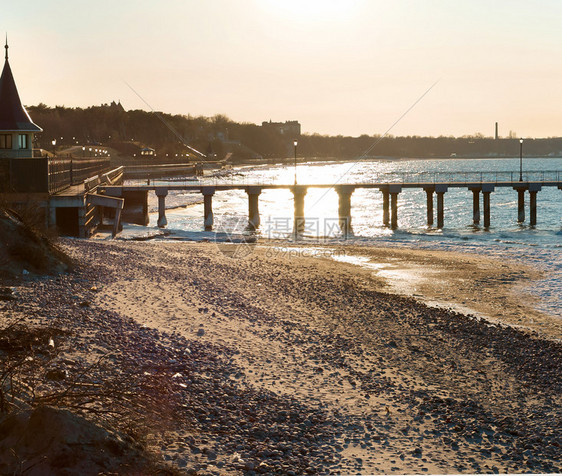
pixel 533 189
pixel 253 207
pixel 344 208
pixel 475 205
pixel 440 209
pixel 136 207
pixel 393 210
pixel 533 208
pixel 208 193
pixel 486 190
pixel 394 190
pixel 299 192
pixel 520 205
pixel 486 199
pixel 429 198
pixel 440 191
pixel 161 193
pixel 385 208
pixel 116 222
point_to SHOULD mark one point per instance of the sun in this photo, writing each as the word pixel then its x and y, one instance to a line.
pixel 311 11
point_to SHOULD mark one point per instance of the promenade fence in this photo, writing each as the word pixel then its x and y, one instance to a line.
pixel 47 174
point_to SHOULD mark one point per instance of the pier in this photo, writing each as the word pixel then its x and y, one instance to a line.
pixel 435 189
pixel 61 190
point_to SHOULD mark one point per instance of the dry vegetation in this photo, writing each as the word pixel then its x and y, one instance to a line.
pixel 26 245
pixel 109 406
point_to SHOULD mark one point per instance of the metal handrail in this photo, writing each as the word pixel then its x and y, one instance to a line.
pixel 541 176
pixel 67 171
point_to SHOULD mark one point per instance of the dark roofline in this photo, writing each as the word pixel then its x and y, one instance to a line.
pixel 13 116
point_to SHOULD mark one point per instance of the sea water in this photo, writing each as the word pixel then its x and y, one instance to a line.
pixel 539 246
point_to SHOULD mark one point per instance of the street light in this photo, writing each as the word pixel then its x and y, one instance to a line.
pixel 521 160
pixel 83 150
pixel 54 142
pixel 295 143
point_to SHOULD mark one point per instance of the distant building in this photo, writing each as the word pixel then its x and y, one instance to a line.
pixel 290 129
pixel 16 127
pixel 148 151
pixel 116 106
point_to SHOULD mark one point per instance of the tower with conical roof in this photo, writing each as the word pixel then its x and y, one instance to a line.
pixel 16 127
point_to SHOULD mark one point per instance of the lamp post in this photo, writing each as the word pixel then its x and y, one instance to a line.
pixel 521 160
pixel 295 143
pixel 54 142
pixel 83 151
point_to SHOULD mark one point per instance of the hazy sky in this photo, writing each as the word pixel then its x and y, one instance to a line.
pixel 346 67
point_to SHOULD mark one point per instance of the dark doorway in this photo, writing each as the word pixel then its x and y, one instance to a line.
pixel 67 221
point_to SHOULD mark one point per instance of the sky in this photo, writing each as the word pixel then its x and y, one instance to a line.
pixel 349 67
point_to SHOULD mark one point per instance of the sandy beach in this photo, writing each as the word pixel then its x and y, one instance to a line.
pixel 300 365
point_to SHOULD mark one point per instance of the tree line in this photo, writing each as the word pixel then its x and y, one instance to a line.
pixel 128 131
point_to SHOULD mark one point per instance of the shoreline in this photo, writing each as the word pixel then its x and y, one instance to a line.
pixel 448 280
pixel 422 273
pixel 382 158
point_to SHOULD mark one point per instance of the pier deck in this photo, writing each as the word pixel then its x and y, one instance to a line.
pixel 430 183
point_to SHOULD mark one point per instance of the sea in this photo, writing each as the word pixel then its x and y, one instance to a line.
pixel 539 246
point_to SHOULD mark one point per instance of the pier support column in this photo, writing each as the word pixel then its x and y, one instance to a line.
pixel 385 208
pixel 135 209
pixel 161 193
pixel 440 191
pixel 299 193
pixel 208 193
pixel 429 198
pixel 394 190
pixel 533 210
pixel 486 199
pixel 520 205
pixel 394 211
pixel 253 207
pixel 344 208
pixel 475 205
pixel 533 189
pixel 440 209
pixel 486 190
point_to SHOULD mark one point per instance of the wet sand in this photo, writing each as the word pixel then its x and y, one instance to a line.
pixel 300 365
pixel 473 284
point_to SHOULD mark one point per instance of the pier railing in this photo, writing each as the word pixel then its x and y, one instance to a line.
pixel 64 172
pixel 471 177
pixel 540 176
pixel 47 174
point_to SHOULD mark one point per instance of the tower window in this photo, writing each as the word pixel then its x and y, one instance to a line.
pixel 5 141
pixel 23 141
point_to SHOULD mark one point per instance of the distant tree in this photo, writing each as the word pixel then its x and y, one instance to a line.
pixel 167 133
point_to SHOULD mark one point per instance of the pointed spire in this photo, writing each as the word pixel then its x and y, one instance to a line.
pixel 13 116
